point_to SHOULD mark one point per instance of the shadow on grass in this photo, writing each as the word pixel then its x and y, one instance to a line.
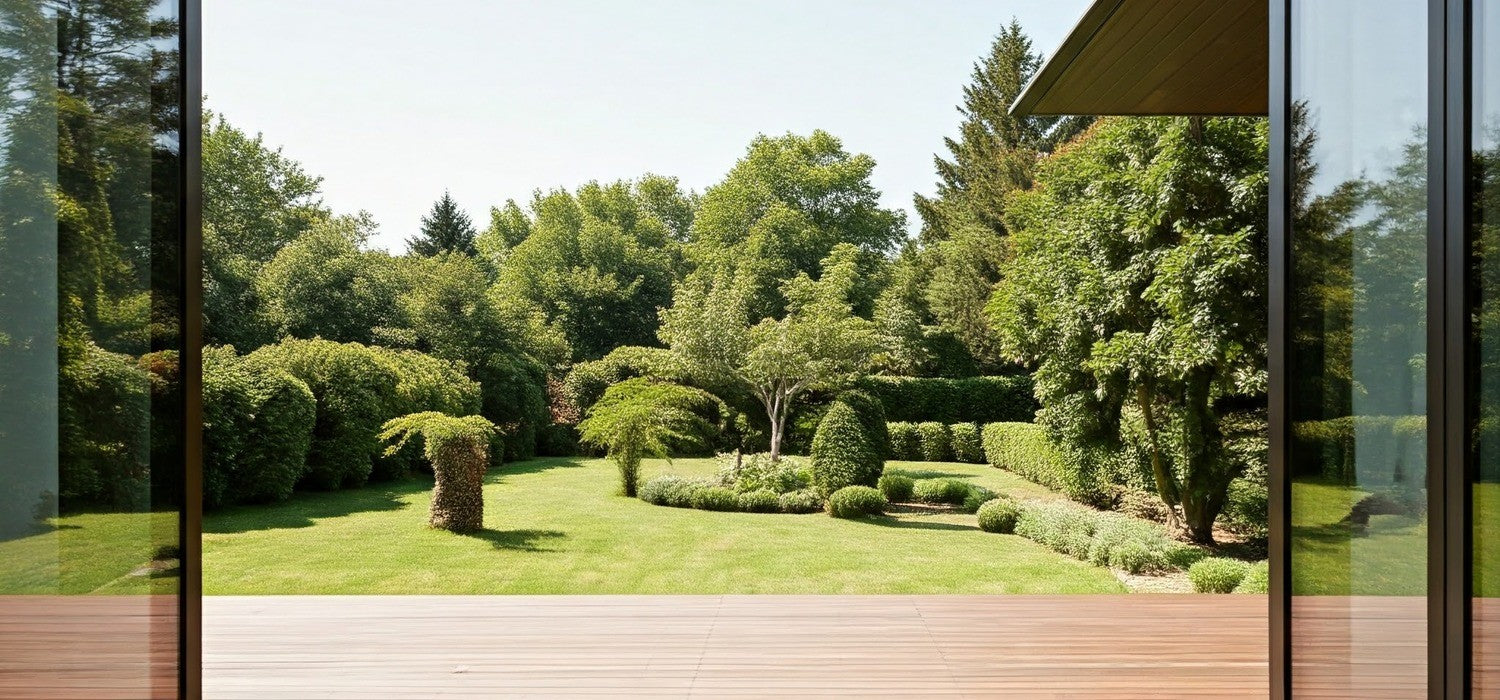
pixel 35 529
pixel 497 474
pixel 305 508
pixel 520 540
pixel 887 521
pixel 927 473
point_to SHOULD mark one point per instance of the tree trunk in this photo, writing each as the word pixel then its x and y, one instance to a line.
pixel 1166 483
pixel 1208 471
pixel 776 412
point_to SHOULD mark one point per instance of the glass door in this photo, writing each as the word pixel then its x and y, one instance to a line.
pixel 96 368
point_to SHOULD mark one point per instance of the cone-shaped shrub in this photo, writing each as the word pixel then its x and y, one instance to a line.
pixel 459 450
pixel 841 451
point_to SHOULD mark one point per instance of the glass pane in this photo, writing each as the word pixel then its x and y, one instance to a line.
pixel 1357 362
pixel 1484 284
pixel 90 289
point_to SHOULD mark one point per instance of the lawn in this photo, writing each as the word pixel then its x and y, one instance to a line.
pixel 557 526
pixel 93 553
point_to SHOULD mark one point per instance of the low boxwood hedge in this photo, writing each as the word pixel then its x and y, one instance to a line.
pixel 856 502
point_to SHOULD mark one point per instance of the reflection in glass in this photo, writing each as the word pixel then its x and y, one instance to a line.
pixel 1484 285
pixel 1358 342
pixel 90 287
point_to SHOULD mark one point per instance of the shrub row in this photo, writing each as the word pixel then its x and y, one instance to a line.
pixel 1103 538
pixel 756 472
pixel 931 441
pixel 1023 448
pixel 900 488
pixel 257 428
pixel 856 502
pixel 1326 448
pixel 967 400
pixel 851 444
pixel 681 492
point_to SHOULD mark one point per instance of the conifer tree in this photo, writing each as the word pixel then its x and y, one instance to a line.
pixel 444 229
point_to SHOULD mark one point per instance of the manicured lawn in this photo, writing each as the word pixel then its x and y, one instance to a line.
pixel 91 552
pixel 556 526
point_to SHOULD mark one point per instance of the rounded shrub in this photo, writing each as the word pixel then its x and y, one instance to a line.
pixel 950 491
pixel 856 502
pixel 1217 574
pixel 759 501
pixel 257 428
pixel 936 443
pixel 977 496
pixel 905 443
pixel 671 490
pixel 716 498
pixel 841 452
pixel 803 501
pixel 966 443
pixel 999 515
pixel 896 487
pixel 1257 579
pixel 872 416
pixel 1136 557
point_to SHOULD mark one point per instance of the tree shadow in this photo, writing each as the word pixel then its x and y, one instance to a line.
pixel 928 473
pixel 304 509
pixel 887 521
pixel 519 540
pixel 497 474
pixel 35 529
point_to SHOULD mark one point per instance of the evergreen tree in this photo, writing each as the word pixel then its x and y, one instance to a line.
pixel 445 228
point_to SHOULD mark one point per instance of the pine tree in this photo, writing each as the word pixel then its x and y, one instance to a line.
pixel 995 152
pixel 444 229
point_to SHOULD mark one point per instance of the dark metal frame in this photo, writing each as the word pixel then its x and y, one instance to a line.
pixel 1278 296
pixel 190 190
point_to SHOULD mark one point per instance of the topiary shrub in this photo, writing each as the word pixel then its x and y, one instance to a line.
pixel 950 491
pixel 459 451
pixel 872 416
pixel 804 501
pixel 1257 579
pixel 977 496
pixel 716 498
pixel 999 515
pixel 896 487
pixel 1217 575
pixel 936 444
pixel 841 452
pixel 671 490
pixel 856 502
pixel 637 418
pixel 906 444
pixel 967 445
pixel 760 501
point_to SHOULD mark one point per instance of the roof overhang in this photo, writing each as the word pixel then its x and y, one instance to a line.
pixel 1141 57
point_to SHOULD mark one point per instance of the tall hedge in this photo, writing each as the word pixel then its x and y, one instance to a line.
pixel 1391 449
pixel 104 439
pixel 945 400
pixel 842 452
pixel 1024 448
pixel 257 429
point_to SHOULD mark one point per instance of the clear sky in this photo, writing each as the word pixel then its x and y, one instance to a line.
pixel 393 101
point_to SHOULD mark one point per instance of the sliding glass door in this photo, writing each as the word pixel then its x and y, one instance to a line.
pixel 97 348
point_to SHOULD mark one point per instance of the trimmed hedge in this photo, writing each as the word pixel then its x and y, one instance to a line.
pixel 872 417
pixel 936 443
pixel 1217 575
pixel 1326 448
pixel 671 490
pixel 906 443
pixel 896 487
pixel 842 452
pixel 856 502
pixel 1024 448
pixel 760 501
pixel 716 498
pixel 949 491
pixel 257 429
pixel 967 445
pixel 999 515
pixel 966 400
pixel 1103 538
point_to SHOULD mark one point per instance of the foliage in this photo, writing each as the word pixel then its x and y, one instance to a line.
pixel 598 263
pixel 257 429
pixel 1326 448
pixel 323 285
pixel 1257 579
pixel 586 381
pixel 843 453
pixel 1102 538
pixel 967 446
pixel 936 443
pixel 423 383
pixel 950 491
pixel 856 502
pixel 636 418
pixel 976 497
pixel 906 443
pixel 760 501
pixel 804 501
pixel 104 446
pixel 872 417
pixel 999 515
pixel 445 229
pixel 1217 575
pixel 756 472
pixel 967 400
pixel 672 490
pixel 819 344
pixel 459 451
pixel 716 498
pixel 1025 449
pixel 896 487
pixel 1137 277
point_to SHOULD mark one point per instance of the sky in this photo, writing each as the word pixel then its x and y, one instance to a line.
pixel 393 102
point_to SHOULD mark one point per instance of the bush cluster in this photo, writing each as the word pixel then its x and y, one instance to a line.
pixel 844 453
pixel 896 487
pixel 936 443
pixel 586 382
pixel 1325 448
pixel 671 490
pixel 257 429
pixel 681 492
pixel 999 515
pixel 967 446
pixel 966 400
pixel 977 496
pixel 1257 579
pixel 906 443
pixel 1102 538
pixel 753 472
pixel 716 498
pixel 103 401
pixel 804 501
pixel 941 491
pixel 856 502
pixel 1217 574
pixel 760 501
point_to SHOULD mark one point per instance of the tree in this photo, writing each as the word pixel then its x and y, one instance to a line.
pixel 597 263
pixel 783 208
pixel 1137 290
pixel 459 450
pixel 446 228
pixel 637 418
pixel 818 344
pixel 324 285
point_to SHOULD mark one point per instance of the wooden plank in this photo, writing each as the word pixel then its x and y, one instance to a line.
pixel 88 647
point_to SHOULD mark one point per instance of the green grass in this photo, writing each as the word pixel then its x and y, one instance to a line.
pixel 91 553
pixel 557 526
pixel 1330 558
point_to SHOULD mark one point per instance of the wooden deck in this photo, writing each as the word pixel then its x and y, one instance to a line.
pixel 389 647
